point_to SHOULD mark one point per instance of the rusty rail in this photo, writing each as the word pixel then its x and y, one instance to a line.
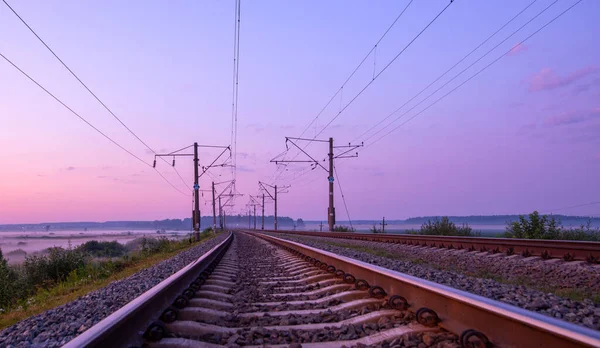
pixel 122 328
pixel 479 321
pixel 565 249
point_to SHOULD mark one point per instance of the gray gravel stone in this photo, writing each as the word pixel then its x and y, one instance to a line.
pixel 255 260
pixel 585 313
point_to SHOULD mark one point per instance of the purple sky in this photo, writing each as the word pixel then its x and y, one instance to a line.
pixel 522 135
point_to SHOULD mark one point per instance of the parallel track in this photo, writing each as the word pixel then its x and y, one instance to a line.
pixel 260 290
pixel 565 249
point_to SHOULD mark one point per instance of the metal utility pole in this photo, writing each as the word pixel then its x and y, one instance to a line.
pixel 254 202
pixel 263 212
pixel 214 208
pixel 218 197
pixel 230 197
pixel 220 213
pixel 321 226
pixel 249 219
pixel 331 209
pixel 273 197
pixel 383 225
pixel 315 163
pixel 196 195
pixel 275 208
pixel 196 212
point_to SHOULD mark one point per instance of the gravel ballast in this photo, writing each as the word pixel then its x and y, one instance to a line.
pixel 585 312
pixel 251 320
pixel 57 326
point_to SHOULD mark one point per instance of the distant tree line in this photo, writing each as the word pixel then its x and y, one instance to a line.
pixel 167 224
pixel 497 219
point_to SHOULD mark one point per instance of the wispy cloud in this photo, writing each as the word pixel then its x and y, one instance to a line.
pixel 565 119
pixel 117 179
pixel 244 169
pixel 246 155
pixel 572 117
pixel 70 168
pixel 584 87
pixel 518 48
pixel 547 79
pixel 256 127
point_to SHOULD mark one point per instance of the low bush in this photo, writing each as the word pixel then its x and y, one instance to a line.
pixel 536 226
pixel 103 249
pixel 52 268
pixel 444 227
pixel 343 229
pixel 374 229
pixel 64 268
pixel 8 290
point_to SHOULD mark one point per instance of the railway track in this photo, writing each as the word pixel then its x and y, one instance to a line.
pixel 259 290
pixel 547 249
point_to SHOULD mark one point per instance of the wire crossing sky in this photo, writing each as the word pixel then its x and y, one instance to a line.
pixel 493 109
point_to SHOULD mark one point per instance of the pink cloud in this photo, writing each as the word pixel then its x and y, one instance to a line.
pixel 518 48
pixel 547 79
pixel 572 117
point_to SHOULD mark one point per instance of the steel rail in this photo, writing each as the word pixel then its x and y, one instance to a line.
pixel 565 249
pixel 457 311
pixel 124 328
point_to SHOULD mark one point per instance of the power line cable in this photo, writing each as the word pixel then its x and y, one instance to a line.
pixel 84 85
pixel 76 77
pixel 356 69
pixel 446 72
pixel 178 174
pixel 84 120
pixel 472 76
pixel 168 182
pixel 573 206
pixel 277 171
pixel 477 73
pixel 384 69
pixel 379 74
pixel 484 68
pixel 337 178
pixel 234 103
pixel 73 112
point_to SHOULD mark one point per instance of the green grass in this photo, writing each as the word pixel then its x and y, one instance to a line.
pixel 77 285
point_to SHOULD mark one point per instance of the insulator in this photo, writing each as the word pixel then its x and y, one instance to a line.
pixel 173 161
pixel 154 165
